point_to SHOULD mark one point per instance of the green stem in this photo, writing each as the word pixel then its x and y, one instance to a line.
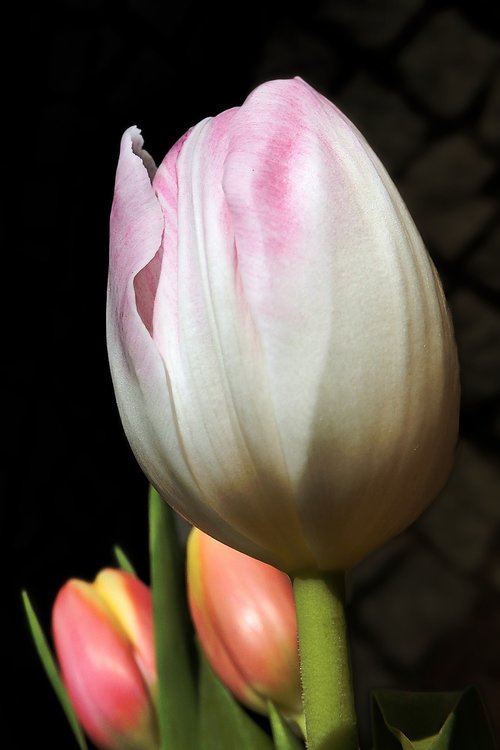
pixel 324 662
pixel 176 698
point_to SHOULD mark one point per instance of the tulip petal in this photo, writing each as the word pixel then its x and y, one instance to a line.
pixel 136 231
pixel 204 331
pixel 130 601
pixel 214 647
pixel 250 608
pixel 141 381
pixel 353 323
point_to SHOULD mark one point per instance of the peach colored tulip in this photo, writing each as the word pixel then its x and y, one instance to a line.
pixel 244 615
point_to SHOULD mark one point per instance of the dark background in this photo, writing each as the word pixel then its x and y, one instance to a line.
pixel 422 81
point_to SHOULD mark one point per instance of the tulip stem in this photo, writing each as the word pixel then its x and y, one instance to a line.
pixel 327 691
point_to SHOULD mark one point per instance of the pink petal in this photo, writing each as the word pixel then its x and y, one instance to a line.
pixel 204 330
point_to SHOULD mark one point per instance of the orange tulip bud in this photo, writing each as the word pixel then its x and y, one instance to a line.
pixel 103 634
pixel 244 614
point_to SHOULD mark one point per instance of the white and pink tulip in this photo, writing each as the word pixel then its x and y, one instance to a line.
pixel 280 346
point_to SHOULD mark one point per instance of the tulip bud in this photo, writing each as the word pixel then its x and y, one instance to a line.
pixel 103 634
pixel 244 614
pixel 280 346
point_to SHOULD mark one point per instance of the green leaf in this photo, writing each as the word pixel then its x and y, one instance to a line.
pixel 175 656
pixel 51 670
pixel 404 720
pixel 123 561
pixel 284 738
pixel 224 723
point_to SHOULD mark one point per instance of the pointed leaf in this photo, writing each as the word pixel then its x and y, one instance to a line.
pixel 173 631
pixel 51 670
pixel 404 720
pixel 123 561
pixel 284 738
pixel 224 723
